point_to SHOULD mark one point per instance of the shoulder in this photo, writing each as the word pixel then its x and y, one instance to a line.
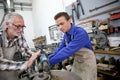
pixel 80 30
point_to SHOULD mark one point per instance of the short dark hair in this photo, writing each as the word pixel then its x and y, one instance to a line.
pixel 62 14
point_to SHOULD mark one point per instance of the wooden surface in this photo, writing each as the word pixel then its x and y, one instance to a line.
pixel 107 52
pixel 39 39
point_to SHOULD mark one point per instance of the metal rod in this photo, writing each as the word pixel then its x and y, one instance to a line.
pixel 103 12
pixel 79 3
pixel 103 5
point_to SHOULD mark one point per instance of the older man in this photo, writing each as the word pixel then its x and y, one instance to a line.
pixel 12 42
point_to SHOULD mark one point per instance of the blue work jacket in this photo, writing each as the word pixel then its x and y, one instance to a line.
pixel 72 42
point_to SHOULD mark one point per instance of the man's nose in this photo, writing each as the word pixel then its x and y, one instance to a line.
pixel 21 29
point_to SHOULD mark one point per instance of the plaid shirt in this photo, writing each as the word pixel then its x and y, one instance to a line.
pixel 6 64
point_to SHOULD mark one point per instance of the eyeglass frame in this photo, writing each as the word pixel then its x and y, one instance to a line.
pixel 18 26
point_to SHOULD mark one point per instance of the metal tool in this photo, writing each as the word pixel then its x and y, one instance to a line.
pixel 80 4
pixel 76 10
pixel 103 5
pixel 44 61
pixel 100 13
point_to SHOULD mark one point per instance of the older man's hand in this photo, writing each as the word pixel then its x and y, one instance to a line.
pixel 33 57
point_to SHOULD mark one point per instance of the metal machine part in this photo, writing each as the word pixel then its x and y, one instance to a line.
pixel 44 61
pixel 63 75
pixel 41 71
pixel 100 37
pixel 9 6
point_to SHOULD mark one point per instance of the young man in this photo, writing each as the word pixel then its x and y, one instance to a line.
pixel 12 41
pixel 75 42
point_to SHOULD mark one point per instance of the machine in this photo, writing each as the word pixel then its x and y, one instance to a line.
pixel 41 71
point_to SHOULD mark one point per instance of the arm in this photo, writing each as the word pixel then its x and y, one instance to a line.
pixel 27 52
pixel 80 40
pixel 6 64
pixel 24 48
pixel 62 44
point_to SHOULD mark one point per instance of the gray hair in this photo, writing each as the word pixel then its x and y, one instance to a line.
pixel 9 18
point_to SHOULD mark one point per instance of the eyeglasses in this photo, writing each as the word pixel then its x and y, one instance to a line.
pixel 18 26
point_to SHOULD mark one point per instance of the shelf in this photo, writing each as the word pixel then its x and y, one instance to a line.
pixel 115 16
pixel 107 52
pixel 108 73
pixel 37 40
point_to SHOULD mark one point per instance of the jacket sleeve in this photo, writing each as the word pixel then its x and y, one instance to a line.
pixel 62 44
pixel 80 40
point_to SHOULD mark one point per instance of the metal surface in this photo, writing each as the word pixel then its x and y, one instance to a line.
pixel 63 75
pixel 15 5
pixel 8 6
pixel 100 36
pixel 101 39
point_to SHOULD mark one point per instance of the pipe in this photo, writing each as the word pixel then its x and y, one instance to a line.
pixel 8 6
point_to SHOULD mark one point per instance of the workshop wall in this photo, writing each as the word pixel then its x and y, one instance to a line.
pixel 43 16
pixel 92 13
pixel 88 5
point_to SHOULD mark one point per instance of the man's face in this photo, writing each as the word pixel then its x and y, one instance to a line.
pixel 16 27
pixel 63 24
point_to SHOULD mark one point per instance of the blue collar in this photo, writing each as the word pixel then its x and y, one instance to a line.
pixel 71 31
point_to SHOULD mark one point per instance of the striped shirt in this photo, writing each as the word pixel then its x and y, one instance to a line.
pixel 20 41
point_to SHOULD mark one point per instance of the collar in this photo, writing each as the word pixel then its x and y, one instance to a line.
pixel 7 41
pixel 71 31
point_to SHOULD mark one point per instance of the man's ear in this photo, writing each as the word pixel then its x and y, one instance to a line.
pixel 7 24
pixel 70 20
